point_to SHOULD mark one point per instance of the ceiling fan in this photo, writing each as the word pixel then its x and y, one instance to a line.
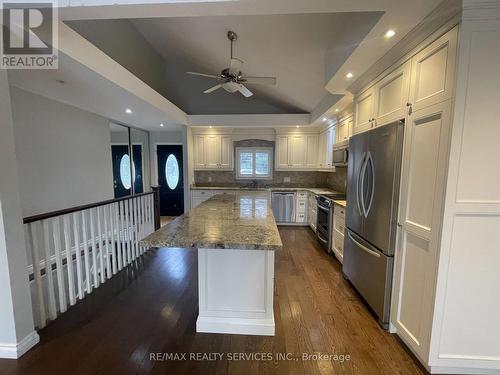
pixel 231 78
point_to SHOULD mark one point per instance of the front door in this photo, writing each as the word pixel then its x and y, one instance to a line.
pixel 170 179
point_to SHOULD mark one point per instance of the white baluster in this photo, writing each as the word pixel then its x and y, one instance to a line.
pixel 86 258
pixel 48 271
pixel 106 238
pixel 122 236
pixel 127 237
pixel 95 267
pixel 79 273
pixel 136 228
pixel 113 243
pixel 35 256
pixel 101 255
pixel 59 265
pixel 141 222
pixel 118 240
pixel 69 261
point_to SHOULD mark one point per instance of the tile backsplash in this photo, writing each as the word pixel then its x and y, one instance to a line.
pixel 334 180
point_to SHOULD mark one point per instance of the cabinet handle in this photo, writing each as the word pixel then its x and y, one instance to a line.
pixel 410 108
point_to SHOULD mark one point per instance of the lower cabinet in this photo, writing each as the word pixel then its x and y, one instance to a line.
pixel 338 231
pixel 312 213
pixel 301 207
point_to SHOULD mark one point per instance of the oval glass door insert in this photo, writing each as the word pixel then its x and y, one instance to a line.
pixel 125 172
pixel 172 172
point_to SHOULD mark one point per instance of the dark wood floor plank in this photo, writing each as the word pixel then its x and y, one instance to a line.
pixel 152 307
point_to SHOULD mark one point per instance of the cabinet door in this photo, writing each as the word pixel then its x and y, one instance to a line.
pixel 282 152
pixel 311 151
pixel 296 151
pixel 363 111
pixel 422 195
pixel 226 154
pixel 330 140
pixel 199 151
pixel 212 151
pixel 392 95
pixel 322 150
pixel 433 70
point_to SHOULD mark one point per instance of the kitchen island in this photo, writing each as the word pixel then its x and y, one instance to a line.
pixel 236 237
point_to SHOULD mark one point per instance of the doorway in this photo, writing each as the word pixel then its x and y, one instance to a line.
pixel 170 179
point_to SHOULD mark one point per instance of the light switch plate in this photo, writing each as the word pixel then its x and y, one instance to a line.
pixel 209 179
pixel 286 179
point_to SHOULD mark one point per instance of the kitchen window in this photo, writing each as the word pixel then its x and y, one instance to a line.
pixel 254 163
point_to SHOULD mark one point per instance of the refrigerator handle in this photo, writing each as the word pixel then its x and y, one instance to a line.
pixel 359 194
pixel 362 247
pixel 369 164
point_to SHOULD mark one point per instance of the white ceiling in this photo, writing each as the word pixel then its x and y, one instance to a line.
pixel 85 89
pixel 298 49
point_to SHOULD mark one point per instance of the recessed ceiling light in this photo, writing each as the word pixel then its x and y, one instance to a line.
pixel 297 126
pixel 337 110
pixel 324 119
pixel 390 34
pixel 161 125
pixel 210 127
pixel 349 75
pixel 128 110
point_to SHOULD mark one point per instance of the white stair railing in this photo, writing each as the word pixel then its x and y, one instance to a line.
pixel 71 252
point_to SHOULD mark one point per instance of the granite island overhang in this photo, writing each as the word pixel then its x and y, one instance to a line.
pixel 236 237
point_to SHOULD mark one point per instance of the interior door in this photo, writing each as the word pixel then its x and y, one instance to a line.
pixel 122 181
pixel 380 185
pixel 170 179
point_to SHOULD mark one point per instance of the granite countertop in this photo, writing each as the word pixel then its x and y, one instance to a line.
pixel 240 221
pixel 342 203
pixel 312 190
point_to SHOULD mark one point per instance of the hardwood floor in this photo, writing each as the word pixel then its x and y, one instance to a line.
pixel 152 307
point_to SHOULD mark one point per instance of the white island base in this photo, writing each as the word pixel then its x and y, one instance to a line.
pixel 235 291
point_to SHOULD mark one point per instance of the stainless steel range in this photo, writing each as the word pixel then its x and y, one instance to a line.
pixel 324 224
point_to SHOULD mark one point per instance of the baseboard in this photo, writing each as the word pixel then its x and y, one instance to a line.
pixel 464 371
pixel 14 351
pixel 237 326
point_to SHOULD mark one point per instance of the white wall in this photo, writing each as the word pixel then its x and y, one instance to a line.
pixel 64 154
pixel 16 319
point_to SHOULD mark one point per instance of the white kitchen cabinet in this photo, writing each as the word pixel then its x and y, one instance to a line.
pixel 433 72
pixel 301 207
pixel 391 95
pixel 325 149
pixel 338 231
pixel 296 151
pixel 312 211
pixel 343 129
pixel 364 113
pixel 213 152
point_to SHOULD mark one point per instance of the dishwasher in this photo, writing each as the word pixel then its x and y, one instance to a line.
pixel 283 204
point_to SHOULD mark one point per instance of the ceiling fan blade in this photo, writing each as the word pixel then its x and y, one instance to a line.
pixel 212 89
pixel 235 67
pixel 259 80
pixel 244 91
pixel 203 75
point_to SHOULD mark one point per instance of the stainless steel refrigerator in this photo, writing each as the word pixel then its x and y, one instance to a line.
pixel 373 176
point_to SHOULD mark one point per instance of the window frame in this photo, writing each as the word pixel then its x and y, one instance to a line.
pixel 253 150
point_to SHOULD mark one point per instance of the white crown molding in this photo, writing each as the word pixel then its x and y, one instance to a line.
pixel 446 15
pixel 14 351
pixel 481 9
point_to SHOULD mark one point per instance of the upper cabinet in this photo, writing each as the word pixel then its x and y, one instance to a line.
pixel 422 81
pixel 296 151
pixel 364 105
pixel 213 152
pixel 391 95
pixel 325 149
pixel 344 129
pixel 432 72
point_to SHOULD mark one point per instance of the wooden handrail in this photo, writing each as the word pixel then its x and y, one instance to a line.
pixel 48 215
